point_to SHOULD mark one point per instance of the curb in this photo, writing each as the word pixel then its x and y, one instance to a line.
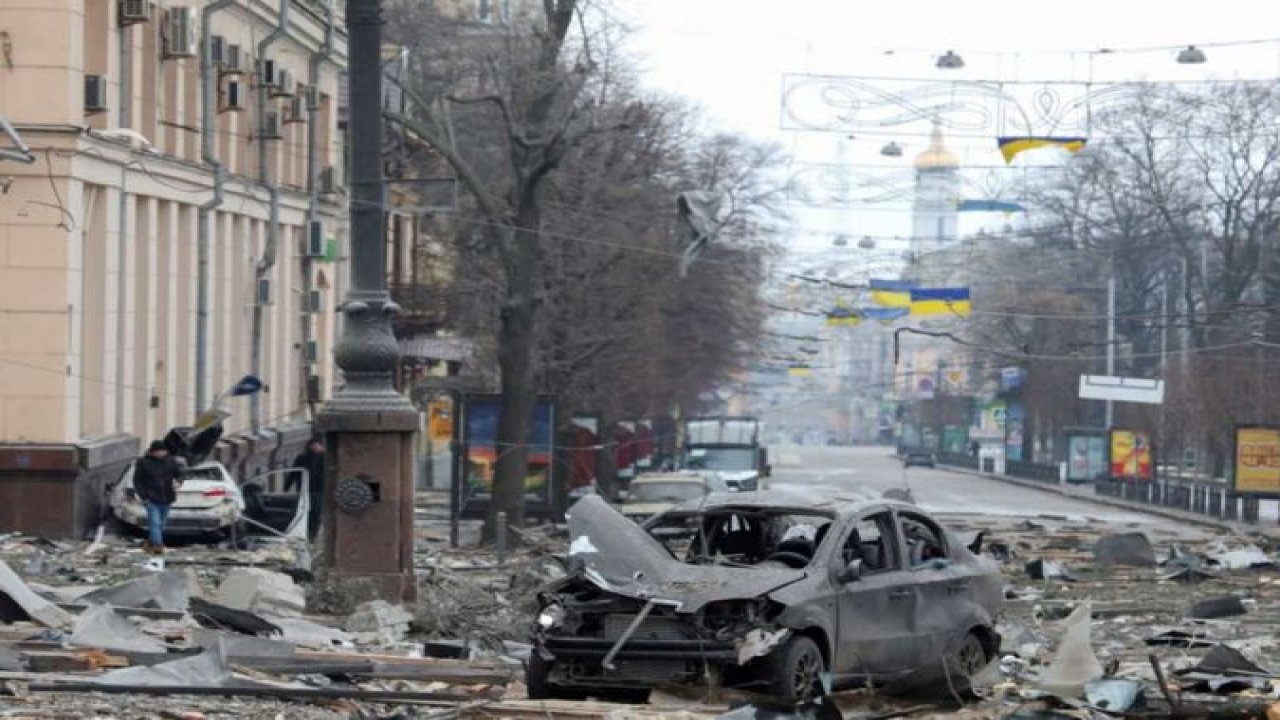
pixel 1104 501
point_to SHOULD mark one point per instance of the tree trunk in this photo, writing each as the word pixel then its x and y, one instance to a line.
pixel 516 336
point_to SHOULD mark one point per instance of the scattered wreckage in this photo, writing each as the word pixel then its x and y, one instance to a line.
pixel 771 592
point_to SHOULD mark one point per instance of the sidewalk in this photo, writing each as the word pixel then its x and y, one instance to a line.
pixel 1086 494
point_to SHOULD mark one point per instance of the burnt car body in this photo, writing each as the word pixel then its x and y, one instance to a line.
pixel 773 592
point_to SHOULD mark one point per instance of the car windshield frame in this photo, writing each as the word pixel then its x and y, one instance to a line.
pixel 684 524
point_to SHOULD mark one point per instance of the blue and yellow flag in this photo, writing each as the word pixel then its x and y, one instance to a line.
pixel 799 371
pixel 1011 146
pixel 891 293
pixel 940 301
pixel 843 317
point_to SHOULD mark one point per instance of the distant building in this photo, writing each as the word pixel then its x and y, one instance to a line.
pixel 935 214
pixel 99 250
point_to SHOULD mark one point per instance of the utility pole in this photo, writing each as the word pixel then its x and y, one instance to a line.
pixel 1111 335
pixel 367 531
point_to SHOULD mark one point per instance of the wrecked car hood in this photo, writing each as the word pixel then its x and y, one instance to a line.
pixel 618 556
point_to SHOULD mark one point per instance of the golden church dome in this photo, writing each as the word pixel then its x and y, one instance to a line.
pixel 937 156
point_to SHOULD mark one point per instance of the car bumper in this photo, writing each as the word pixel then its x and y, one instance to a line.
pixel 182 520
pixel 579 662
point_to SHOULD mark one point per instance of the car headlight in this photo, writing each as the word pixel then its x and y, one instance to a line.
pixel 552 616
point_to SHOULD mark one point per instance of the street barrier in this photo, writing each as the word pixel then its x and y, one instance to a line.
pixel 1032 471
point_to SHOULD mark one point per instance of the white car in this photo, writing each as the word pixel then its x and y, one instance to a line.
pixel 209 501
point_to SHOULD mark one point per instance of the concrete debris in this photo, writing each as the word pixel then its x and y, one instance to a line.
pixel 36 607
pixel 1129 549
pixel 1049 570
pixel 261 591
pixel 101 627
pixel 308 634
pixel 1074 663
pixel 1245 558
pixel 1218 607
pixel 168 590
pixel 208 669
pixel 379 622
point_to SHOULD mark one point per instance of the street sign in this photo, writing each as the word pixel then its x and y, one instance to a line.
pixel 1121 389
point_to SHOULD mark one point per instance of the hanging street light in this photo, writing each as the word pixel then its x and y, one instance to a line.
pixel 1191 55
pixel 891 149
pixel 950 61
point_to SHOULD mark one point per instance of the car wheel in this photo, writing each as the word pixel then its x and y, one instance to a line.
pixel 535 680
pixel 969 658
pixel 797 671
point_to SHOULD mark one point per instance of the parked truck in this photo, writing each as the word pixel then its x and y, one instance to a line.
pixel 729 447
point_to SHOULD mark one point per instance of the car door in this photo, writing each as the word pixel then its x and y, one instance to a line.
pixel 873 627
pixel 938 583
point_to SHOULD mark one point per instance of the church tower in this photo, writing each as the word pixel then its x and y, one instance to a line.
pixel 934 212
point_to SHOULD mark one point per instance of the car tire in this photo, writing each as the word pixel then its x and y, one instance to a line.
pixel 796 671
pixel 968 659
pixel 537 687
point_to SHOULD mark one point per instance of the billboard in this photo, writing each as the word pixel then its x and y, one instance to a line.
pixel 480 434
pixel 1257 460
pixel 624 449
pixel 1130 455
pixel 1013 437
pixel 1086 458
pixel 585 444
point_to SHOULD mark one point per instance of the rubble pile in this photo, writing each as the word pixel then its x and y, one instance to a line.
pixel 1100 620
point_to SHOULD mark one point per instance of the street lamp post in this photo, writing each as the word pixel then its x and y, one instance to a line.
pixel 367 532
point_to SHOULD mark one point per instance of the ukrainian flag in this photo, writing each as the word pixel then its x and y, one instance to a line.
pixel 940 301
pixel 843 317
pixel 1011 146
pixel 891 293
pixel 799 371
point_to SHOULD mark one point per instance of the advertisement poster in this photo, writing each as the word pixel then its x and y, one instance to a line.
pixel 1257 460
pixel 481 432
pixel 955 439
pixel 1131 455
pixel 1013 419
pixel 989 420
pixel 1086 458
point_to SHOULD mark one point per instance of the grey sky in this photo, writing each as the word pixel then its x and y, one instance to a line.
pixel 730 56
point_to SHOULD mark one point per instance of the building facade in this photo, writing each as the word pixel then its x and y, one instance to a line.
pixel 934 211
pixel 172 220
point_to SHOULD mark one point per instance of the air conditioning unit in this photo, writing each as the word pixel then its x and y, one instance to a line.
pixel 328 180
pixel 232 97
pixel 95 93
pixel 134 11
pixel 264 291
pixel 313 97
pixel 180 33
pixel 217 50
pixel 297 111
pixel 284 86
pixel 311 351
pixel 233 60
pixel 315 301
pixel 267 73
pixel 315 239
pixel 270 127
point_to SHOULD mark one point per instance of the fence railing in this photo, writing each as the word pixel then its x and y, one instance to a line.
pixel 1195 494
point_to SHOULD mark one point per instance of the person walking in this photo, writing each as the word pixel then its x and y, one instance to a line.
pixel 311 460
pixel 155 480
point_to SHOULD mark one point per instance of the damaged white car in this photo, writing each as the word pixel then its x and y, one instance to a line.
pixel 772 592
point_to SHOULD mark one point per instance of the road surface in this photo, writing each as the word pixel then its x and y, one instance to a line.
pixel 939 491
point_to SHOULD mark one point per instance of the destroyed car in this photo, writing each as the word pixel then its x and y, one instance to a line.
pixel 209 500
pixel 780 593
pixel 654 493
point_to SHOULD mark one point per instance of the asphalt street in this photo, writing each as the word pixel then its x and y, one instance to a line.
pixel 939 491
